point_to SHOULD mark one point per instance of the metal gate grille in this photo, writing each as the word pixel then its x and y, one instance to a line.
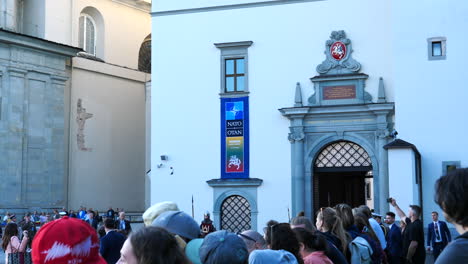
pixel 235 214
pixel 343 154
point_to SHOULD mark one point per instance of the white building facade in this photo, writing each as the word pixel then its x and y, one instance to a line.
pixel 295 105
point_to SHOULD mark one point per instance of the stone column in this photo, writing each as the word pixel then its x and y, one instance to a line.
pixel 383 194
pixel 296 137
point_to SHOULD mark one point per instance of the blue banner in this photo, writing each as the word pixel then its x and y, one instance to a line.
pixel 235 137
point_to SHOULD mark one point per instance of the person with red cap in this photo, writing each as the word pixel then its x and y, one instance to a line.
pixel 66 240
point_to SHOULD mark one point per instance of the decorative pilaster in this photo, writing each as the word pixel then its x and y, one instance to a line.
pixel 9 15
pixel 16 135
pixel 381 199
pixel 296 137
pixel 58 173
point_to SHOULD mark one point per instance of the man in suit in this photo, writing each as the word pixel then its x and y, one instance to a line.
pixel 111 243
pixel 394 240
pixel 91 220
pixel 438 235
pixel 123 225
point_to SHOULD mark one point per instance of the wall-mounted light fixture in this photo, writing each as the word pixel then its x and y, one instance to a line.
pixel 163 158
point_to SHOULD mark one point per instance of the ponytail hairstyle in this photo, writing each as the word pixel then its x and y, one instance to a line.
pixel 333 223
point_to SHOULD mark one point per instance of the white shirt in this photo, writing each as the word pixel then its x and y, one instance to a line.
pixel 379 232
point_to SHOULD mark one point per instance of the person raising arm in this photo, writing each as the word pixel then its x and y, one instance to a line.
pixel 413 240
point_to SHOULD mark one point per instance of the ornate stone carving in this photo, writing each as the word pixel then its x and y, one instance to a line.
pixel 338 56
pixel 81 117
pixel 297 134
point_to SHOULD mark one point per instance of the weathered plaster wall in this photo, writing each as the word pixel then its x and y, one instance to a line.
pixel 111 170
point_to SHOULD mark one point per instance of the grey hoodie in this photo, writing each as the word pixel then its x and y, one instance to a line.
pixel 269 256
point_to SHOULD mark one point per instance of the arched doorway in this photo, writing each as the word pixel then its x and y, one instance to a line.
pixel 342 174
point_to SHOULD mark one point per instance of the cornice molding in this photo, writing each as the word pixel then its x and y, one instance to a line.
pixel 228 7
pixel 137 4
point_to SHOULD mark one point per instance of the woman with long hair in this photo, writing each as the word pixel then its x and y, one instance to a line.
pixel 330 224
pixel 11 242
pixel 362 223
pixel 314 247
pixel 334 254
pixel 152 245
pixel 280 236
pixel 345 212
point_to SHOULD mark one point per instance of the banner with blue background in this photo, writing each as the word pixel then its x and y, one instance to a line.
pixel 235 137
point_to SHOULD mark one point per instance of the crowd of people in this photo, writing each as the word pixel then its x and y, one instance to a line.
pixel 340 235
pixel 41 218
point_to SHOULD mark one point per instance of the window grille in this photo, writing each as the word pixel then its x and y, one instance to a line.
pixel 235 214
pixel 343 154
pixel 144 56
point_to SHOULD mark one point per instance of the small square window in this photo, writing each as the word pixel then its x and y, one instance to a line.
pixel 436 48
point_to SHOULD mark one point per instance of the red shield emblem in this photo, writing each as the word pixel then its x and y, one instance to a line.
pixel 338 50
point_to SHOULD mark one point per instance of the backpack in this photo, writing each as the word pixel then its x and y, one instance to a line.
pixel 361 251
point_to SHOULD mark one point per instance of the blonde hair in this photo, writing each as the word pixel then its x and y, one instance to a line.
pixel 333 223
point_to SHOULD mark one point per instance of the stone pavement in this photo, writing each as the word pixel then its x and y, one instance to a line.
pixel 135 226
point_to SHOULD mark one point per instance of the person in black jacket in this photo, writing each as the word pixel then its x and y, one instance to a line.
pixel 438 235
pixel 91 220
pixel 110 213
pixel 111 243
pixel 394 240
pixel 123 225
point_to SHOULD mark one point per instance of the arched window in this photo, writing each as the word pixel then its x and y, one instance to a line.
pixel 235 214
pixel 343 154
pixel 144 56
pixel 87 38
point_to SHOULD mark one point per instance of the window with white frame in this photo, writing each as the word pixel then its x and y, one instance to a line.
pixel 87 37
